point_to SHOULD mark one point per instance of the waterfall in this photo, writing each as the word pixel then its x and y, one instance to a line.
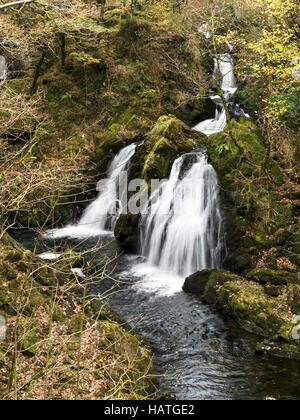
pixel 229 87
pixel 101 215
pixel 3 68
pixel 182 226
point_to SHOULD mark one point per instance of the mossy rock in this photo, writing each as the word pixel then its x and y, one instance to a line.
pixel 278 278
pixel 196 283
pixel 250 307
pixel 208 283
pixel 123 130
pixel 127 232
pixel 168 140
pixel 216 280
pixel 284 343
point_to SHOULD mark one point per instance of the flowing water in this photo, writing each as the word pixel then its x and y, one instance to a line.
pixel 100 216
pixel 223 67
pixel 182 229
pixel 197 354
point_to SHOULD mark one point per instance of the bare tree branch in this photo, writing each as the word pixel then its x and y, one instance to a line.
pixel 15 3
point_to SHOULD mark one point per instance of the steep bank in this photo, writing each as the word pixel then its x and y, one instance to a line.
pixel 60 343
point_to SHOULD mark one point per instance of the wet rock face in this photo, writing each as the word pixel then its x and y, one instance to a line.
pixel 127 232
pixel 197 282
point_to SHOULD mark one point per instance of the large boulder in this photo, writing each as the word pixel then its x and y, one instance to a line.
pixel 207 283
pixel 264 303
pixel 169 139
pixel 197 282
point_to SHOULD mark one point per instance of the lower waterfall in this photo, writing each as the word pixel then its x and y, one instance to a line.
pixel 182 230
pixel 101 215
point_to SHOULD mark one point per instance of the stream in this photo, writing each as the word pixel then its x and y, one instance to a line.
pixel 197 354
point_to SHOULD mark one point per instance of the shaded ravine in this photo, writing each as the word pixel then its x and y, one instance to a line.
pixel 197 354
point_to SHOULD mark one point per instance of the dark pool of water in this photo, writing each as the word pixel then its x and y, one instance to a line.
pixel 197 354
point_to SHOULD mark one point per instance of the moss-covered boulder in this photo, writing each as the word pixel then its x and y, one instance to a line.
pixel 241 147
pixel 264 303
pixel 168 140
pixel 122 131
pixel 197 282
pixel 247 303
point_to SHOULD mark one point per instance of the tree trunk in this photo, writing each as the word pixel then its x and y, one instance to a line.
pixel 62 38
pixel 37 73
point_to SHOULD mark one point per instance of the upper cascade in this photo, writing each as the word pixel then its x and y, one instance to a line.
pixel 223 65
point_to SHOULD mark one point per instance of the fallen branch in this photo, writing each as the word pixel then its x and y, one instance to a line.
pixel 15 3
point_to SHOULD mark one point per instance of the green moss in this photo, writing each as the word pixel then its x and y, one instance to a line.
pixel 78 323
pixel 168 139
pixel 275 277
pixel 247 303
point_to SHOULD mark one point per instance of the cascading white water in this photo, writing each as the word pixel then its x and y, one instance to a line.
pixel 101 215
pixel 3 68
pixel 224 66
pixel 182 230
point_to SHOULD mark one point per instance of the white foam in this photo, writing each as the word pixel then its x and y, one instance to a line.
pixel 153 280
pixel 78 272
pixel 75 231
pixel 49 256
